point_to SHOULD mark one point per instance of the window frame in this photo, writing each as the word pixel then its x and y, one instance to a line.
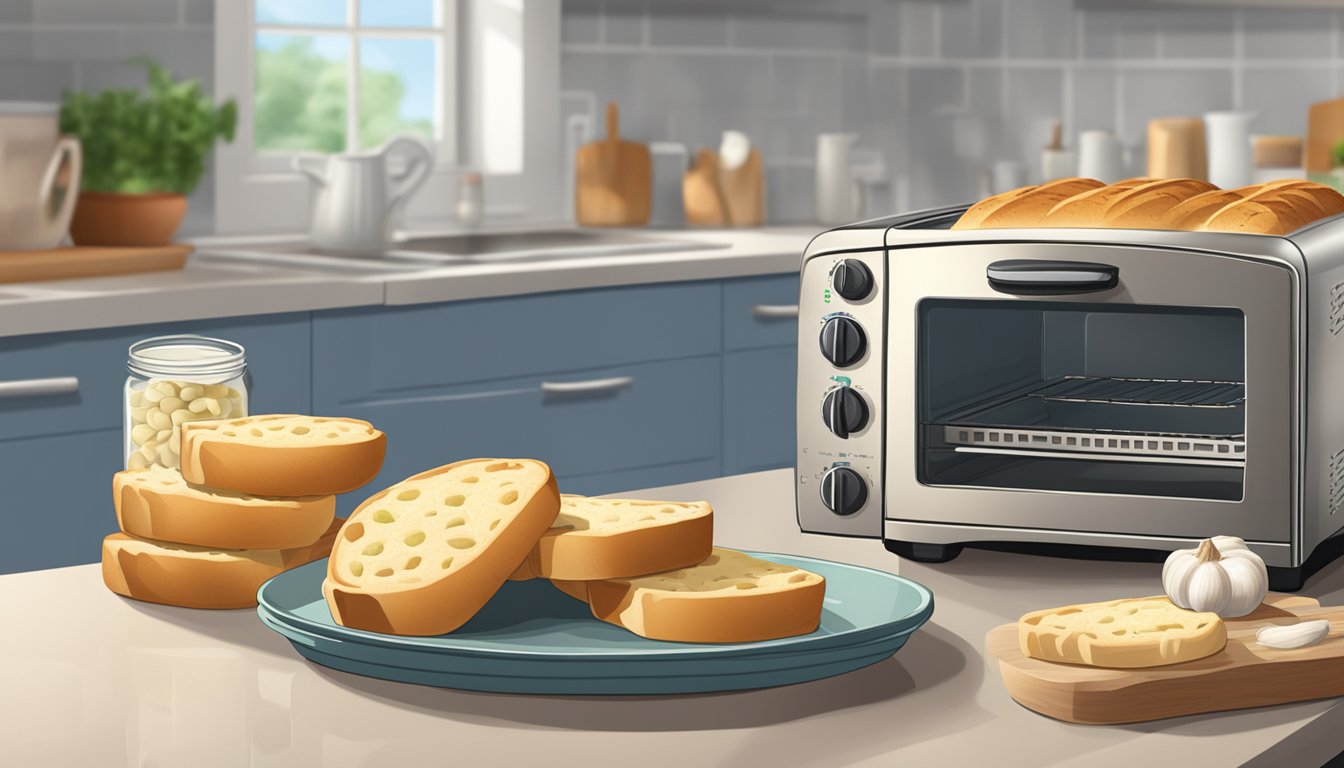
pixel 261 194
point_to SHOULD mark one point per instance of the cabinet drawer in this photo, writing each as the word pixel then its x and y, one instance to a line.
pixel 668 413
pixel 760 312
pixel 277 356
pixel 760 410
pixel 367 352
pixel 58 499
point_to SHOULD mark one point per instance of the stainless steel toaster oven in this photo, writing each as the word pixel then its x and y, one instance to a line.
pixel 1088 392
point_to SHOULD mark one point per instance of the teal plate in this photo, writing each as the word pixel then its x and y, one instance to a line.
pixel 531 638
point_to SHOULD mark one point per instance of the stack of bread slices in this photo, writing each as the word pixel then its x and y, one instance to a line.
pixel 1274 208
pixel 423 556
pixel 255 496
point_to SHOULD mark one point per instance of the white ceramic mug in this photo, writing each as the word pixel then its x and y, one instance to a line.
pixel 1100 156
pixel 36 198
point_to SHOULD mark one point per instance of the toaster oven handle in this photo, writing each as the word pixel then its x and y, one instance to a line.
pixel 1034 277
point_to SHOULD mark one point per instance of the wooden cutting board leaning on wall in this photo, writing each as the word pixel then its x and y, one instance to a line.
pixel 1325 127
pixel 612 180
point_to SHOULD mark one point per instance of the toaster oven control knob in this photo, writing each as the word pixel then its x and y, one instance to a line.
pixel 843 491
pixel 842 341
pixel 844 411
pixel 852 280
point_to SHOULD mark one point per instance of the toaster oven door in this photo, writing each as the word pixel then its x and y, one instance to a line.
pixel 1092 388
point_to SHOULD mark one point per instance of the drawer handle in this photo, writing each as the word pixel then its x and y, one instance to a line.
pixel 589 386
pixel 61 385
pixel 774 310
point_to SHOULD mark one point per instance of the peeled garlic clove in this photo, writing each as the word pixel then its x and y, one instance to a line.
pixel 1298 635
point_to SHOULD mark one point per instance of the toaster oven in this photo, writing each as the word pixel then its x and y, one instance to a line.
pixel 1102 393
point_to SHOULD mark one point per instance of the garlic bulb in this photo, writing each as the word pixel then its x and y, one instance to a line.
pixel 1222 575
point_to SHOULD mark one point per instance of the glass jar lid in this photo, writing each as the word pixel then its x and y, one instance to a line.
pixel 186 355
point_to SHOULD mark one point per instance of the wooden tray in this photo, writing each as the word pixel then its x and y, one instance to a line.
pixel 1244 674
pixel 75 261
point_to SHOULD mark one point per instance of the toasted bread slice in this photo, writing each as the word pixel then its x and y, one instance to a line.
pixel 199 577
pixel 1130 633
pixel 156 503
pixel 282 454
pixel 614 538
pixel 421 557
pixel 731 597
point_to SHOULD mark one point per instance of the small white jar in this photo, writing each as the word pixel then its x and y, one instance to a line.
pixel 176 379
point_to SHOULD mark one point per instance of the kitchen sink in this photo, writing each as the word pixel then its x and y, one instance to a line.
pixel 420 253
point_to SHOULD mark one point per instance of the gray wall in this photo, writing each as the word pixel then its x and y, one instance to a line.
pixel 47 46
pixel 942 87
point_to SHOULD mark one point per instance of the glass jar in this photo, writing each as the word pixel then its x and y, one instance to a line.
pixel 174 379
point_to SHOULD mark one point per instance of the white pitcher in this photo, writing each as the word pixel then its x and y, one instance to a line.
pixel 36 203
pixel 355 196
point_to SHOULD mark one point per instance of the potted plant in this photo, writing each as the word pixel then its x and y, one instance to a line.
pixel 143 154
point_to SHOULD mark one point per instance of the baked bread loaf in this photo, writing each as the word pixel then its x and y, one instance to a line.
pixel 1086 208
pixel 1027 209
pixel 731 597
pixel 1129 634
pixel 199 577
pixel 282 455
pixel 612 538
pixel 1147 205
pixel 421 557
pixel 1276 208
pixel 156 503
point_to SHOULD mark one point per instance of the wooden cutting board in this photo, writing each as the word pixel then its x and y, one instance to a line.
pixel 1244 674
pixel 701 193
pixel 1325 127
pixel 83 261
pixel 744 192
pixel 612 180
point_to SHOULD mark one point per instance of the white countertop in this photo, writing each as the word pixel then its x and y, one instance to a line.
pixel 94 679
pixel 212 285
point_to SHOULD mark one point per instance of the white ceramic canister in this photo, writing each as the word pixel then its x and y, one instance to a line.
pixel 836 193
pixel 1100 156
pixel 1229 140
pixel 173 380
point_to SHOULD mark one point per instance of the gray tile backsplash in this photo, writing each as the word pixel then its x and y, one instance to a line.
pixel 48 46
pixel 943 89
pixel 939 89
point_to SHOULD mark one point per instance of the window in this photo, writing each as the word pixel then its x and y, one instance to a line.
pixel 340 75
pixel 343 75
pixel 478 79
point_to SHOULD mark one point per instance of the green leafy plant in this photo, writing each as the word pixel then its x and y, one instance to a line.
pixel 1337 154
pixel 153 141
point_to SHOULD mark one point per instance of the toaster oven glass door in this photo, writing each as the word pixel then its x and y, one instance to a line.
pixel 1084 397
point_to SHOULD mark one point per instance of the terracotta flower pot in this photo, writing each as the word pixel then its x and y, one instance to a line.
pixel 112 218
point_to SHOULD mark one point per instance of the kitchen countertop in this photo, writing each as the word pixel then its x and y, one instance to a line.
pixel 216 285
pixel 92 678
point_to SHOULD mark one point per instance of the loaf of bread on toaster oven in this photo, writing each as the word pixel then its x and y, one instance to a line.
pixel 1274 208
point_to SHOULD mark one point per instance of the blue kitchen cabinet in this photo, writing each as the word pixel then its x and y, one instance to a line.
pixel 759 430
pixel 477 378
pixel 660 416
pixel 760 339
pixel 58 453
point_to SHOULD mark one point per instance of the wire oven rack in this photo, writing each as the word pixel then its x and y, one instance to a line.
pixel 1185 393
pixel 1112 418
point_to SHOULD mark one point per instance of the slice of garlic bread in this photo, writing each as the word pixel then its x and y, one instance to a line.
pixel 421 557
pixel 614 538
